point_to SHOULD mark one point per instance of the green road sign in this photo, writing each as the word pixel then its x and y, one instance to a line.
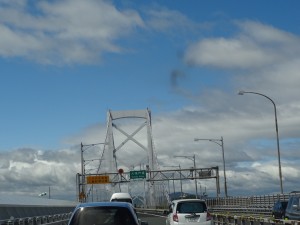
pixel 138 174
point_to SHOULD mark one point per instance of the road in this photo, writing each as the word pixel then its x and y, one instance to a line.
pixel 152 219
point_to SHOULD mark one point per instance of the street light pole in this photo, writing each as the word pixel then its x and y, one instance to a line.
pixel 193 158
pixel 219 142
pixel 277 136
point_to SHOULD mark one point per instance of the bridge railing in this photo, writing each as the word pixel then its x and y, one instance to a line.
pixel 262 204
pixel 57 219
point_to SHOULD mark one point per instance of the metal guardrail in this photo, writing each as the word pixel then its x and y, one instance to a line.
pixel 219 219
pixel 245 205
pixel 57 219
pixel 240 218
pixel 261 204
pixel 251 210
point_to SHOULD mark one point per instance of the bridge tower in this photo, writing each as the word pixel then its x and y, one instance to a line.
pixel 129 144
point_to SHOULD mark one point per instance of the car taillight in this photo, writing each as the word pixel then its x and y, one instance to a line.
pixel 208 216
pixel 175 217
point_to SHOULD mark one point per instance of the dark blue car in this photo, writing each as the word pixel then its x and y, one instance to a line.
pixel 105 213
pixel 278 211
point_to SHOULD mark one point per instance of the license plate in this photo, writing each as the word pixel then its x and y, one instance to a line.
pixel 192 220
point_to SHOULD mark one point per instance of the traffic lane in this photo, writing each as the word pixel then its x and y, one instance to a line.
pixel 152 219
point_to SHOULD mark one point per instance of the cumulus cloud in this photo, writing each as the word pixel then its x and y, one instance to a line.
pixel 57 33
pixel 31 171
pixel 260 58
pixel 255 46
pixel 163 20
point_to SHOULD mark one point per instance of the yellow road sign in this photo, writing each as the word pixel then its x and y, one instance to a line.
pixel 97 179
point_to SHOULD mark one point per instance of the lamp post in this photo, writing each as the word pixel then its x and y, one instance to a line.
pixel 277 136
pixel 193 159
pixel 219 142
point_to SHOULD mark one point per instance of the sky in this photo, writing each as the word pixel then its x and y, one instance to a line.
pixel 64 64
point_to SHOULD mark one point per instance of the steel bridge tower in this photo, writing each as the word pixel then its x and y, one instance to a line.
pixel 134 147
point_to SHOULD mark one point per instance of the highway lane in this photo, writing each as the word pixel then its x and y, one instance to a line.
pixel 152 219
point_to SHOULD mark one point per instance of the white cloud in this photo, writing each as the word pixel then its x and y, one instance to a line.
pixel 255 46
pixel 30 171
pixel 64 31
pixel 268 35
pixel 163 20
pixel 226 53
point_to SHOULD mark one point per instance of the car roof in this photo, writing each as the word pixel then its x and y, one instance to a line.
pixel 188 200
pixel 105 204
pixel 121 195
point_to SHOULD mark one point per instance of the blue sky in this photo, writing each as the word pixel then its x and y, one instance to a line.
pixel 64 64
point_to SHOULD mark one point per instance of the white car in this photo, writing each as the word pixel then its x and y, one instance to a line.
pixel 188 212
pixel 121 197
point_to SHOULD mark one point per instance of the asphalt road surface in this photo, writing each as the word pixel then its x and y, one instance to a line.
pixel 152 219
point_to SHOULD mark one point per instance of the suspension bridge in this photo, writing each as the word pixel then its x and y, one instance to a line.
pixel 126 161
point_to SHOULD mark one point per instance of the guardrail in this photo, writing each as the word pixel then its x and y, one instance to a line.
pixel 259 204
pixel 251 210
pixel 57 219
pixel 247 219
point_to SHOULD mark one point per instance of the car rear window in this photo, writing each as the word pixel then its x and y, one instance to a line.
pixel 102 216
pixel 191 207
pixel 122 200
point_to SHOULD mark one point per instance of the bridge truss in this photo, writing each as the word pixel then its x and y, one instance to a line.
pixel 129 147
